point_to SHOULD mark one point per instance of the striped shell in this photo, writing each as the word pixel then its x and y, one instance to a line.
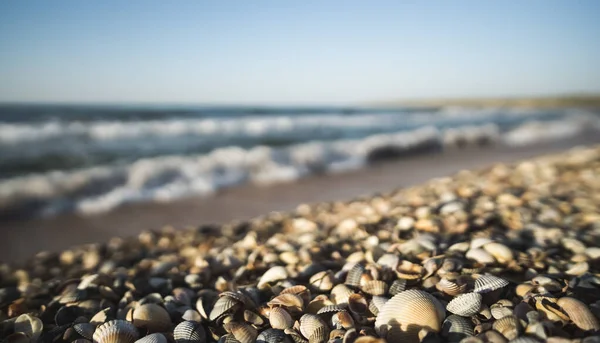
pixel 273 336
pixel 151 318
pixel 242 332
pixel 455 328
pixel 579 313
pixel 376 304
pixel 191 315
pixel 309 323
pixel 390 261
pixel 342 319
pixel 375 287
pixel 450 287
pixel 358 304
pixel 508 326
pixel 319 335
pixel 115 331
pixel 292 302
pixel 406 313
pixel 189 332
pixel 85 330
pixel 465 305
pixel 488 283
pixel 281 319
pixel 397 286
pixel 340 294
pixel 153 338
pixel 29 325
pixel 223 306
pixel 354 275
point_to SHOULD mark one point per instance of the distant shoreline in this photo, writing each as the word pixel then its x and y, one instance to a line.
pixel 582 101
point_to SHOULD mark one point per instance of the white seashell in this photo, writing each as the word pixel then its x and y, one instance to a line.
pixel 272 275
pixel 153 338
pixel 480 256
pixel 488 283
pixel 281 319
pixel 465 305
pixel 189 332
pixel 116 331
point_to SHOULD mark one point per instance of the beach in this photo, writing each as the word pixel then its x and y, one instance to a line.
pixel 23 238
pixel 504 252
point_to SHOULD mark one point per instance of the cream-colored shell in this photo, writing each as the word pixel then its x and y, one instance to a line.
pixel 579 313
pixel 404 315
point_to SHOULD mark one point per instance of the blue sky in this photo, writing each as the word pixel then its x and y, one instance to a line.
pixel 295 52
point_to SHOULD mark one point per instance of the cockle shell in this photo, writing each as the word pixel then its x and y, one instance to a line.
pixel 450 287
pixel 488 283
pixel 242 332
pixel 273 336
pixel 480 256
pixel 354 275
pixel 153 338
pixel 292 302
pixel 465 305
pixel 358 304
pixel 501 253
pixel 116 331
pixel 375 287
pixel 455 328
pixel 399 285
pixel 340 294
pixel 223 306
pixel 406 313
pixel 85 330
pixel 272 275
pixel 323 281
pixel 579 313
pixel 189 332
pixel 509 327
pixel 151 318
pixel 281 319
pixel 309 323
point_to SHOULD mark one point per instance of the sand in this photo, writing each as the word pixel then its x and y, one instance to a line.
pixel 23 238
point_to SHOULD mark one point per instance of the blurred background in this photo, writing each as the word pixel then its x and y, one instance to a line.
pixel 122 116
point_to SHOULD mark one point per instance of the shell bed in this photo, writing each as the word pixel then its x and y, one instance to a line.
pixel 506 254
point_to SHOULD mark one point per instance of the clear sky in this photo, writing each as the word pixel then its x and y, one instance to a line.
pixel 296 52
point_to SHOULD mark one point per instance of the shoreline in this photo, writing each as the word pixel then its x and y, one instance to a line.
pixel 23 238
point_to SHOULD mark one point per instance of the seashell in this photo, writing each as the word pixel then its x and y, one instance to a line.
pixel 501 253
pixel 85 330
pixel 579 313
pixel 369 339
pixel 578 269
pixel 272 275
pixel 524 339
pixel 29 325
pixel 299 290
pixel 192 316
pixel 550 308
pixel 340 294
pixel 242 332
pixel 397 286
pixel 189 332
pixel 153 338
pixel 223 306
pixel 337 334
pixel 500 311
pixel 354 275
pixel 488 283
pixel 206 301
pixel 450 287
pixel 491 336
pixel 115 331
pixel 101 317
pixel 465 305
pixel 376 304
pixel 406 313
pixel 281 319
pixel 450 264
pixel 67 315
pixel 309 323
pixel 342 319
pixel 390 261
pixel 460 247
pixel 477 243
pixel 228 338
pixel 319 335
pixel 358 304
pixel 273 336
pixel 151 318
pixel 323 281
pixel 375 287
pixel 480 255
pixel 455 328
pixel 509 327
pixel 292 302
pixel 295 336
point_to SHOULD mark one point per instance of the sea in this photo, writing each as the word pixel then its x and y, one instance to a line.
pixel 91 159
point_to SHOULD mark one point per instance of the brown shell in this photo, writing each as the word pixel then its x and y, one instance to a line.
pixel 375 287
pixel 151 318
pixel 450 287
pixel 309 323
pixel 292 302
pixel 403 316
pixel 340 294
pixel 509 327
pixel 358 304
pixel 243 332
pixel 579 313
pixel 323 281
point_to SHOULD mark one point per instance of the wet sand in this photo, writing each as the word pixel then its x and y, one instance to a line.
pixel 23 238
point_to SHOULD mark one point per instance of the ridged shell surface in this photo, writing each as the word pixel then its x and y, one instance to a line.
pixel 151 318
pixel 273 336
pixel 465 305
pixel 281 319
pixel 375 287
pixel 397 286
pixel 222 306
pixel 404 315
pixel 309 323
pixel 189 332
pixel 153 338
pixel 242 332
pixel 488 283
pixel 354 275
pixel 455 328
pixel 116 331
pixel 85 330
pixel 579 313
pixel 508 326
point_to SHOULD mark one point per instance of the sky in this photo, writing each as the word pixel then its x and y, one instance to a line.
pixel 295 52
